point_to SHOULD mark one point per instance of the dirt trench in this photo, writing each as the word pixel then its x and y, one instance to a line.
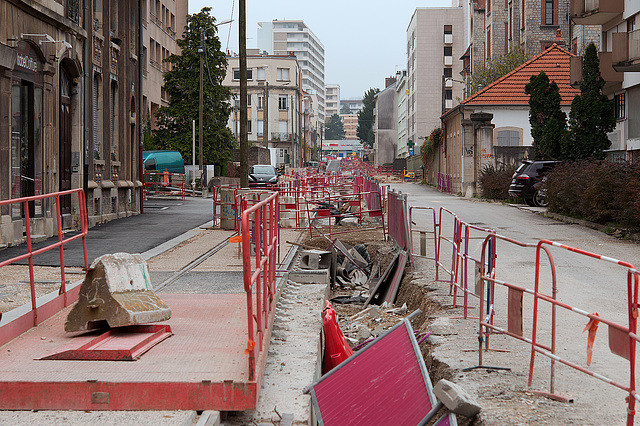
pixel 503 395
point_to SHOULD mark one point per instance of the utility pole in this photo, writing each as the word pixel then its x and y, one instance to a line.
pixel 244 142
pixel 201 107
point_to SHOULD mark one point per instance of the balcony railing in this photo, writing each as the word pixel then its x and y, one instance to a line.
pixel 595 12
pixel 625 51
pixel 281 136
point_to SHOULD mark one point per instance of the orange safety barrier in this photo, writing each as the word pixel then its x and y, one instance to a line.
pixel 261 275
pixel 164 183
pixel 354 207
pixel 65 297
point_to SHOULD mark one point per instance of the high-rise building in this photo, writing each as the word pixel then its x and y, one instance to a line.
pixel 354 105
pixel 282 38
pixel 435 42
pixel 332 100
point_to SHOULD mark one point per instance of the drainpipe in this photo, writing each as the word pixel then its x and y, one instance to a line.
pixel 87 88
pixel 141 60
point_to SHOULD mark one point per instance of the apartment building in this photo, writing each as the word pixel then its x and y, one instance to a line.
pixel 350 123
pixel 354 105
pixel 332 100
pixel 435 42
pixel 619 23
pixel 274 101
pixel 293 36
pixel 163 23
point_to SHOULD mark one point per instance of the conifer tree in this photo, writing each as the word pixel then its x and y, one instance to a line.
pixel 548 121
pixel 591 116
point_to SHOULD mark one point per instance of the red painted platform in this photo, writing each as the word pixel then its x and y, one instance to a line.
pixel 203 366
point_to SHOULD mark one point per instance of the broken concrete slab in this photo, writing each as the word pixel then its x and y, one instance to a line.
pixel 116 292
pixel 442 327
pixel 456 399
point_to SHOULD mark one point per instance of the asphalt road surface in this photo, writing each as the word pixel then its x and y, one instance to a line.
pixel 162 220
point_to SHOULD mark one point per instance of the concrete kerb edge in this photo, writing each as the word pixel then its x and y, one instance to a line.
pixel 168 245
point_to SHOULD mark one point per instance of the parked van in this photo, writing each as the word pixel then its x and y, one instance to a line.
pixel 161 160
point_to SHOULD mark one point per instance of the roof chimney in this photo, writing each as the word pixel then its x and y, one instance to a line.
pixel 558 34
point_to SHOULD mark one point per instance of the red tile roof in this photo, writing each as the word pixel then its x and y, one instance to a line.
pixel 509 89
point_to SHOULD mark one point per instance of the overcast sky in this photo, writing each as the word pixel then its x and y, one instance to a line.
pixel 364 40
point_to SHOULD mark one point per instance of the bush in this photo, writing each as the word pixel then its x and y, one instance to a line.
pixel 598 191
pixel 495 181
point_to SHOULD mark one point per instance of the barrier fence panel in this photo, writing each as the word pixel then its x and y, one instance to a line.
pixel 398 220
pixel 263 231
pixel 164 183
pixel 37 314
pixel 334 208
pixel 622 338
pixel 453 239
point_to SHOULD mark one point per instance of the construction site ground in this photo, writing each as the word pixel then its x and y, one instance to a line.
pixel 293 357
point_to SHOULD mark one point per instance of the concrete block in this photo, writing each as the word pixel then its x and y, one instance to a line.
pixel 209 418
pixel 310 276
pixel 315 259
pixel 456 399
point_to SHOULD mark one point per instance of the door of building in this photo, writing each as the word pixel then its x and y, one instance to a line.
pixel 64 171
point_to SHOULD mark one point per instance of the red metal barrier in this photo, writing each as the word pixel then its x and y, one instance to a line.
pixel 164 183
pixel 398 219
pixel 261 276
pixel 37 314
pixel 356 208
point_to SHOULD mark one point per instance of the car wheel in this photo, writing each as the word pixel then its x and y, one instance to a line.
pixel 540 199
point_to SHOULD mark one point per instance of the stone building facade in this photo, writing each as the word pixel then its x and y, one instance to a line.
pixel 69 84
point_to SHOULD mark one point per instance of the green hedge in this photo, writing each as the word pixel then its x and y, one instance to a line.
pixel 495 181
pixel 598 191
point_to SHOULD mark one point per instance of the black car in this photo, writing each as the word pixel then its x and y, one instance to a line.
pixel 262 175
pixel 527 180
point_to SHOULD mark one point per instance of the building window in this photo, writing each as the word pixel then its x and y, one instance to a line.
pixel 508 138
pixel 249 126
pixel 260 101
pixel 249 100
pixel 282 102
pixel 448 72
pixel 113 121
pixel 448 95
pixel 236 74
pixel 261 74
pixel 448 29
pixel 619 106
pixel 548 13
pixel 448 51
pixel 282 74
pixel 488 43
pixel 488 6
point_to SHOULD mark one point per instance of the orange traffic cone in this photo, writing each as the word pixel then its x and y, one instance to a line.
pixel 336 348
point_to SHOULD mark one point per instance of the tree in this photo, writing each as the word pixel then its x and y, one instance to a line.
pixel 548 121
pixel 182 85
pixel 365 118
pixel 492 69
pixel 345 109
pixel 591 116
pixel 334 128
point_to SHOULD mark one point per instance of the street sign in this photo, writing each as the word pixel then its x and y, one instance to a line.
pixel 411 152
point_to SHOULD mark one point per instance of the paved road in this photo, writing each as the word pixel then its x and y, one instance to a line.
pixel 163 219
pixel 583 282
